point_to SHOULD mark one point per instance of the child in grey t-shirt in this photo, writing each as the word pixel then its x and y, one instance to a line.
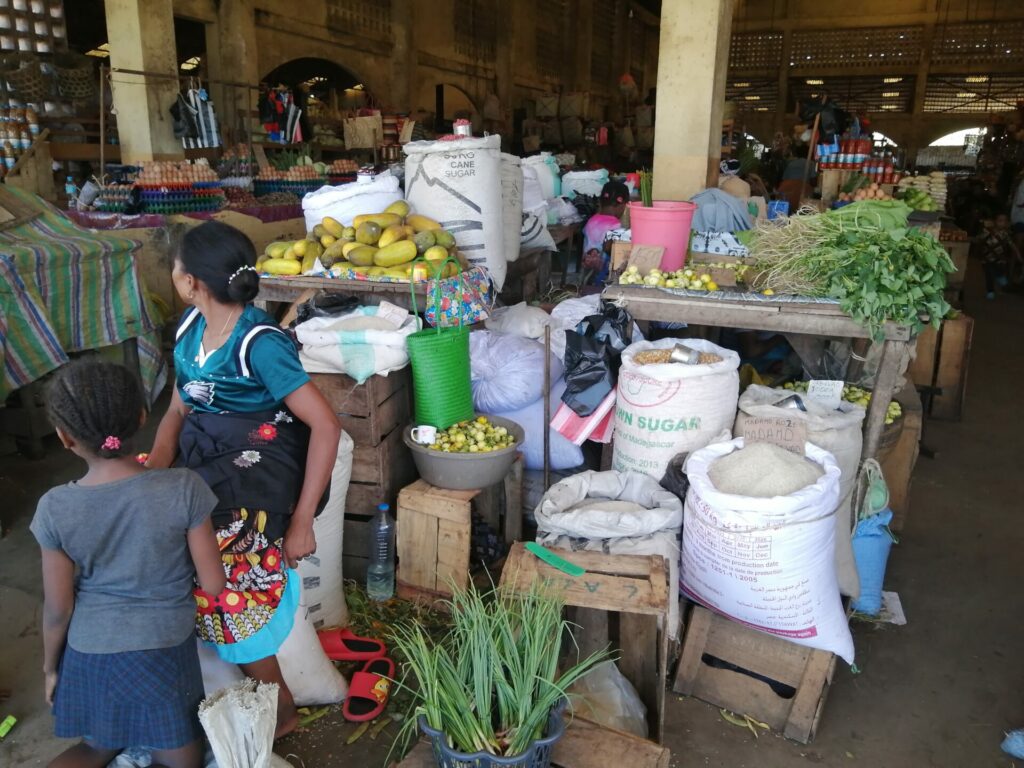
pixel 121 550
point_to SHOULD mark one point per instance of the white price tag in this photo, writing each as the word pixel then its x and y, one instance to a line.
pixel 828 393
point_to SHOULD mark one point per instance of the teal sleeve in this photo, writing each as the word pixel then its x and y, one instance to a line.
pixel 275 362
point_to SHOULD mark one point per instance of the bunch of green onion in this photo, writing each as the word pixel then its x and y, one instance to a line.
pixel 491 684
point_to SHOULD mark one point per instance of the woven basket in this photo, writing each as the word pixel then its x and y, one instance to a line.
pixel 440 369
pixel 25 77
pixel 76 77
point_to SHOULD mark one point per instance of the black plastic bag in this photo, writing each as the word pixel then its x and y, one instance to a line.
pixel 324 305
pixel 675 479
pixel 592 357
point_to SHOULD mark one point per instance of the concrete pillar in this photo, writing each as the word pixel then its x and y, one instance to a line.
pixel 783 116
pixel 141 34
pixel 239 66
pixel 914 141
pixel 404 69
pixel 508 32
pixel 692 66
pixel 582 28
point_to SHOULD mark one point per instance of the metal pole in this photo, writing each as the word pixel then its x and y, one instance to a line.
pixel 547 407
pixel 103 129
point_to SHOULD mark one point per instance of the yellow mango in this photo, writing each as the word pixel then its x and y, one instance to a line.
pixel 328 240
pixel 333 226
pixel 392 234
pixel 399 208
pixel 421 223
pixel 436 253
pixel 375 271
pixel 362 256
pixel 319 231
pixel 290 253
pixel 276 249
pixel 282 266
pixel 382 220
pixel 409 231
pixel 347 248
pixel 401 252
pixel 299 247
pixel 396 273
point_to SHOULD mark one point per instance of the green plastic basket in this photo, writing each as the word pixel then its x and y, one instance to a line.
pixel 440 365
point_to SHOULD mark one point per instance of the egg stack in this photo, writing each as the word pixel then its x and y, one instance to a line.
pixel 179 187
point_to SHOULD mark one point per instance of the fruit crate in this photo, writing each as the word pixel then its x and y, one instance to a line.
pixel 734 667
pixel 374 414
pixel 435 532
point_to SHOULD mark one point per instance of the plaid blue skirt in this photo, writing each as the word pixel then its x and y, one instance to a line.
pixel 130 699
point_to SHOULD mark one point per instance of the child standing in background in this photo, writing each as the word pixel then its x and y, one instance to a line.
pixel 596 258
pixel 120 658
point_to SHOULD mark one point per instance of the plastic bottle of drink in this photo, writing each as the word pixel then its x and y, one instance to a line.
pixel 71 190
pixel 380 575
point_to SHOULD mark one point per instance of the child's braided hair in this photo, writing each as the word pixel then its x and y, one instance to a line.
pixel 97 403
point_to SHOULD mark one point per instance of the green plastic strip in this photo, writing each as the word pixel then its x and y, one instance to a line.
pixel 554 560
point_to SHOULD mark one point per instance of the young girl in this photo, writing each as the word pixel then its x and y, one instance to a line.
pixel 246 417
pixel 119 643
pixel 596 258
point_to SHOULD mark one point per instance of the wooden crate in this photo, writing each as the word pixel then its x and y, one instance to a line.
pixel 435 529
pixel 584 745
pixel 898 463
pixel 729 665
pixel 633 587
pixel 951 368
pixel 921 370
pixel 369 412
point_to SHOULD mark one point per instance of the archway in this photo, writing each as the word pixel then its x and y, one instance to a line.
pixel 323 81
pixel 447 103
pixel 959 138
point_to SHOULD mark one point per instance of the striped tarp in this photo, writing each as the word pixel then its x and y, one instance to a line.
pixel 66 289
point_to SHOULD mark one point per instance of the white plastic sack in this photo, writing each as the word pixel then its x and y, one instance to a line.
pixel 323 592
pixel 564 455
pixel 535 234
pixel 665 409
pixel 361 343
pixel 623 513
pixel 511 204
pixel 584 183
pixel 534 200
pixel 766 562
pixel 605 696
pixel 519 320
pixel 840 432
pixel 310 675
pixel 507 372
pixel 547 173
pixel 347 201
pixel 458 183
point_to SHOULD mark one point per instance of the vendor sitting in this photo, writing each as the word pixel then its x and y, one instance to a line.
pixel 596 252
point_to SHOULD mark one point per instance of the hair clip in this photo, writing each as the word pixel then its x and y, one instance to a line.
pixel 239 271
pixel 112 443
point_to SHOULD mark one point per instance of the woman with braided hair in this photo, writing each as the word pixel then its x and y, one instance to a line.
pixel 122 548
pixel 245 416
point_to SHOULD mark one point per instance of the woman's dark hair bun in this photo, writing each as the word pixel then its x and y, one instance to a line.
pixel 243 287
pixel 217 254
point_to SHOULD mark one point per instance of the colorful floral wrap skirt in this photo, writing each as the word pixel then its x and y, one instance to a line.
pixel 254 463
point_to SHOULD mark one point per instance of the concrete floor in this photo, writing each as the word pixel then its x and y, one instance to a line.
pixel 939 692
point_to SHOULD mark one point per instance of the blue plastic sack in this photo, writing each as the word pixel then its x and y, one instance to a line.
pixel 1013 744
pixel 871 544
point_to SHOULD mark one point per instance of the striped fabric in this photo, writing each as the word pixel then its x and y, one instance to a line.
pixel 206 122
pixel 65 290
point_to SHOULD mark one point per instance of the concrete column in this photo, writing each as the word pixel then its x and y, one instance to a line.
pixel 508 32
pixel 404 69
pixel 239 65
pixel 783 116
pixel 141 34
pixel 692 66
pixel 920 88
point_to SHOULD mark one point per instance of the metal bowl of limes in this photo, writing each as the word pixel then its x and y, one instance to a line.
pixel 459 468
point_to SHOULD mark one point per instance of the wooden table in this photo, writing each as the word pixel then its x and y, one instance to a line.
pixel 286 290
pixel 808 319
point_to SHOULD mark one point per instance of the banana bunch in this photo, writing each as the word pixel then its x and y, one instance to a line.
pixel 856 395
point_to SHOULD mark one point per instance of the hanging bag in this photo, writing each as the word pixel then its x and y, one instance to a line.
pixel 439 356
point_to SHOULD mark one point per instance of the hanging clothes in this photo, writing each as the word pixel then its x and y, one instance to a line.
pixel 207 132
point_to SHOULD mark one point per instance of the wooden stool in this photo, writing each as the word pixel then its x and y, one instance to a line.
pixel 633 587
pixel 753 673
pixel 584 745
pixel 435 528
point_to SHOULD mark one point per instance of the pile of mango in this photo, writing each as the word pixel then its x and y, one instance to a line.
pixel 377 245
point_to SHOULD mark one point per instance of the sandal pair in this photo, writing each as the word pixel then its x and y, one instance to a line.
pixel 370 687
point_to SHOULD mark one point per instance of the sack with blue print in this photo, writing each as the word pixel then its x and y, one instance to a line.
pixel 872 541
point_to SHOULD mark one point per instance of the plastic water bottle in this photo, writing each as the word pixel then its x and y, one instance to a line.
pixel 71 190
pixel 380 575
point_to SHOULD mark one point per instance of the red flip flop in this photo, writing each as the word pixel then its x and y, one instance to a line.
pixel 368 691
pixel 343 645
